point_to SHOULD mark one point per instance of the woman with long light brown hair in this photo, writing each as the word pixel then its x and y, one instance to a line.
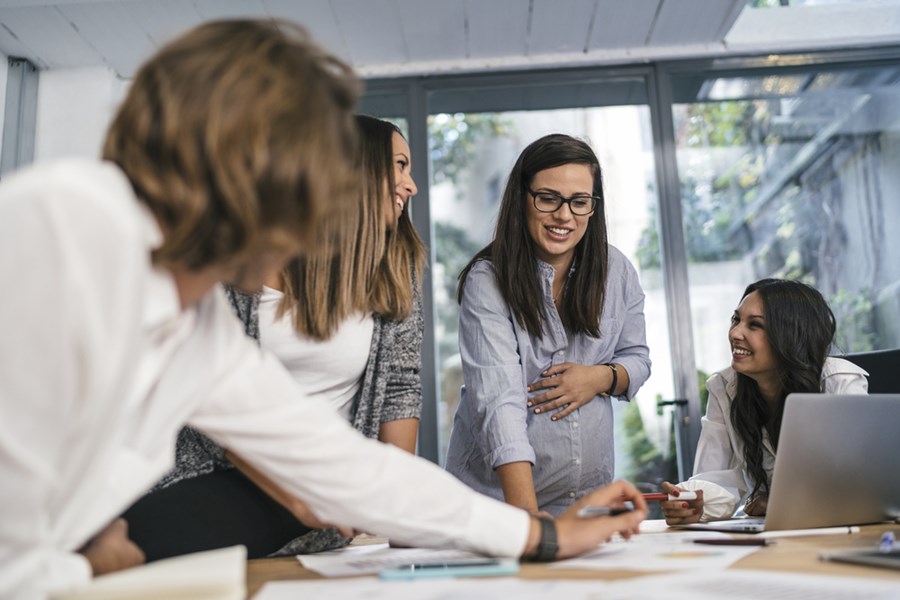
pixel 347 324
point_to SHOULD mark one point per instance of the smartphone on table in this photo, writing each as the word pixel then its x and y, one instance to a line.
pixel 467 567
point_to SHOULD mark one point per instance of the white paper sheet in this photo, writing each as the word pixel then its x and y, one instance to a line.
pixel 746 584
pixel 671 551
pixel 733 584
pixel 370 588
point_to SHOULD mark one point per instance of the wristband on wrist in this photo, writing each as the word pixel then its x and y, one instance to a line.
pixel 547 544
pixel 615 380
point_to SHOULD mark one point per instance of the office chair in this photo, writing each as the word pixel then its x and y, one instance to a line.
pixel 883 367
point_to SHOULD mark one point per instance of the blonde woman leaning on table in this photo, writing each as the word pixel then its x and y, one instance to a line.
pixel 780 336
pixel 348 327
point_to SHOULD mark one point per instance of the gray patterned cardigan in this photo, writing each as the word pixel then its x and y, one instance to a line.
pixel 391 389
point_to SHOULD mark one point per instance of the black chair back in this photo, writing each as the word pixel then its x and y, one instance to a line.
pixel 883 367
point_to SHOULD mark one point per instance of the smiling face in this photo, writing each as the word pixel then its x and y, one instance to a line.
pixel 556 234
pixel 751 351
pixel 404 186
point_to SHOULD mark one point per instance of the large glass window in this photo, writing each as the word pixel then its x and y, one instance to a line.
pixel 783 168
pixel 791 173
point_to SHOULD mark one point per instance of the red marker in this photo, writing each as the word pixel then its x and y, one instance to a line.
pixel 685 495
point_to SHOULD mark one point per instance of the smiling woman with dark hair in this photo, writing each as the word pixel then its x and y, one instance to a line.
pixel 780 336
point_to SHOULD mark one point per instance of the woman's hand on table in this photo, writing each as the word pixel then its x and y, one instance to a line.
pixel 681 512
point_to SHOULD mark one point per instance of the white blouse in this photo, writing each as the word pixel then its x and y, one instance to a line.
pixel 328 370
pixel 719 465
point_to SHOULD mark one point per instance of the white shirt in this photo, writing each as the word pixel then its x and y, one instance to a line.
pixel 325 370
pixel 719 467
pixel 99 368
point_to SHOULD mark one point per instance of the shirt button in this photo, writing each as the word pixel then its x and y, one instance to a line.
pixel 571 494
pixel 574 424
pixel 577 461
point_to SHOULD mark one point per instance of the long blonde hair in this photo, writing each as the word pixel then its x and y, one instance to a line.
pixel 373 270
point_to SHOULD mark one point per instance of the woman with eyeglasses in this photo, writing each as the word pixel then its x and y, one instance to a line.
pixel 551 330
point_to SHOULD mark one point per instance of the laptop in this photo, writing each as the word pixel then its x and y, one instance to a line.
pixel 838 463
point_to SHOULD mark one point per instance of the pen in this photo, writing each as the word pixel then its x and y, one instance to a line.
pixel 685 495
pixel 734 541
pixel 587 512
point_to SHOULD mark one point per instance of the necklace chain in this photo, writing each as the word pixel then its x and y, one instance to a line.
pixel 561 288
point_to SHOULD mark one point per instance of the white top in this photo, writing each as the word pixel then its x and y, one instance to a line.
pixel 719 466
pixel 100 369
pixel 328 370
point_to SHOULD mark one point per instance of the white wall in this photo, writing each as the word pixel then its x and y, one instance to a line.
pixel 74 109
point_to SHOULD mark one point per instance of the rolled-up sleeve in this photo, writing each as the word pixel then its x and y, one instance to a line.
pixel 495 390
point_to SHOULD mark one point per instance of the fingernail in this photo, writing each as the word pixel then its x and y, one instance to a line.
pixel 695 511
pixel 684 505
pixel 537 410
pixel 552 418
pixel 529 404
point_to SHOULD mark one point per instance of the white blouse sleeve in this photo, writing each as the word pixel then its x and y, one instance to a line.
pixel 258 412
pixel 718 468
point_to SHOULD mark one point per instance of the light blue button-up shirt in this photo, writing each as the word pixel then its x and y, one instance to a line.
pixel 493 426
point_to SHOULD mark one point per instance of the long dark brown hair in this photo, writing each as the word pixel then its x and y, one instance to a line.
pixel 512 251
pixel 800 327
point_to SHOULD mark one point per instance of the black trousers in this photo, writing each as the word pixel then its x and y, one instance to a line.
pixel 212 511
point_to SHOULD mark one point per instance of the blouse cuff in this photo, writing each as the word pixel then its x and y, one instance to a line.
pixel 718 502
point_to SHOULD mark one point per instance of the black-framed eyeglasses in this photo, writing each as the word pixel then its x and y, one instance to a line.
pixel 579 204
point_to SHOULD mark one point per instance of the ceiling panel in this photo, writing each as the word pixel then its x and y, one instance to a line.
pixel 316 16
pixel 164 19
pixel 370 30
pixel 622 24
pixel 229 9
pixel 434 29
pixel 47 38
pixel 114 32
pixel 694 21
pixel 560 31
pixel 392 37
pixel 497 28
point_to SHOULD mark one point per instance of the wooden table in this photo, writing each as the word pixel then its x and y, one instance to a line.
pixel 792 554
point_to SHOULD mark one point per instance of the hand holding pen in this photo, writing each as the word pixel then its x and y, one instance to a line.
pixel 616 508
pixel 681 506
